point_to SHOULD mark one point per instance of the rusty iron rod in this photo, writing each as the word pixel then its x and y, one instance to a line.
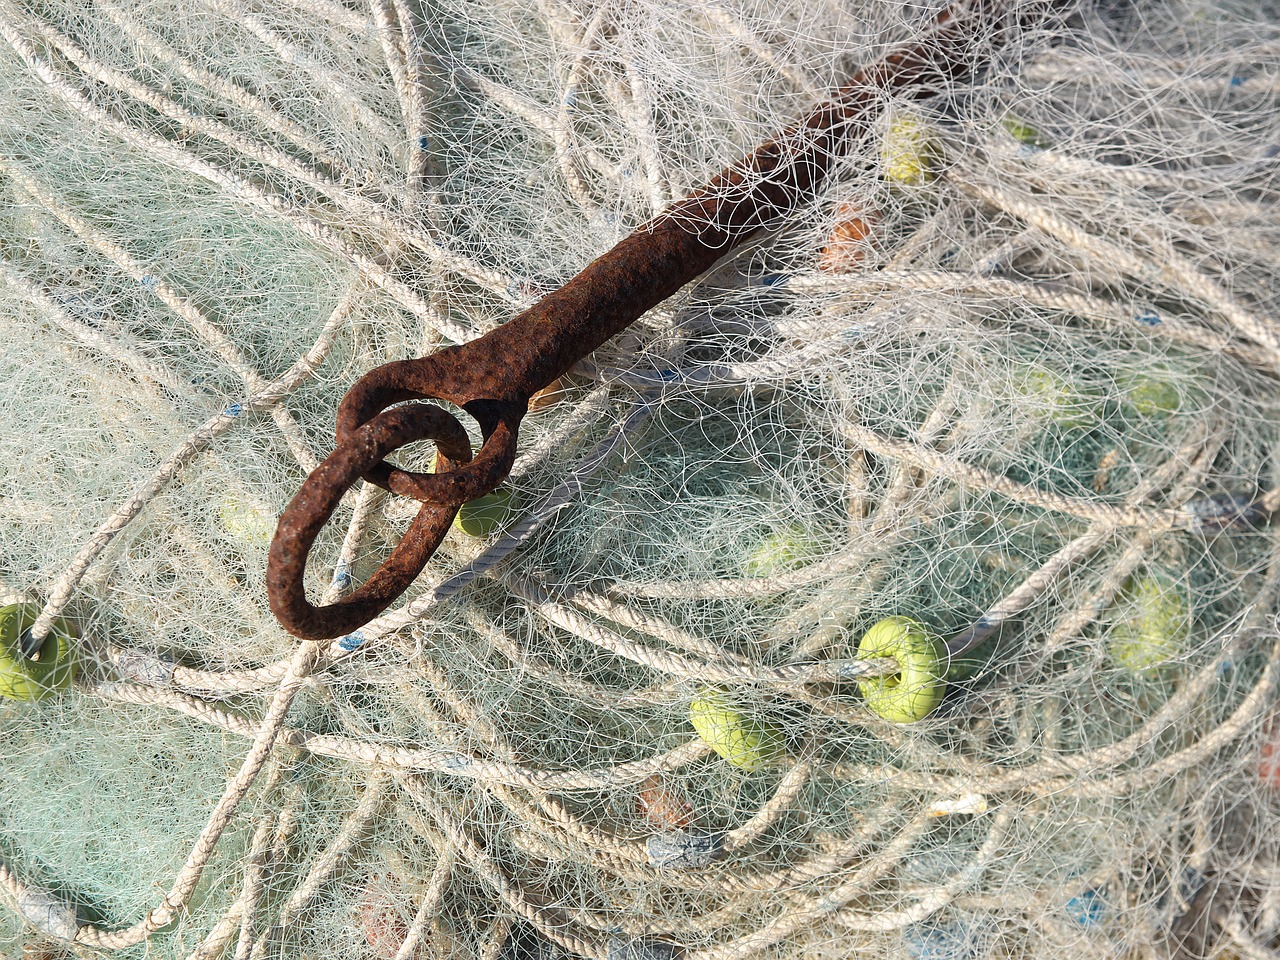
pixel 493 377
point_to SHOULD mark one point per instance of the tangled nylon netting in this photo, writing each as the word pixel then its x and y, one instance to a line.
pixel 1010 375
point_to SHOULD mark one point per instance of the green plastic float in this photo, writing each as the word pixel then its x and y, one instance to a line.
pixel 746 741
pixel 33 678
pixel 913 693
pixel 483 516
pixel 1156 626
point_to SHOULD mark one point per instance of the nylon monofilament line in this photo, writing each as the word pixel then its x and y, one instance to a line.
pixel 903 584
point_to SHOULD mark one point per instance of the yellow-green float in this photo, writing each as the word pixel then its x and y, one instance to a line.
pixel 1155 628
pixel 913 692
pixel 745 740
pixel 33 678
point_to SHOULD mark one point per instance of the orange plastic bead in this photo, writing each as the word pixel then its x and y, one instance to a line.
pixel 850 240
pixel 662 807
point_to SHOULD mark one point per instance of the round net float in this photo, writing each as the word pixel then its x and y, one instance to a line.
pixel 1055 397
pixel 783 549
pixel 1152 393
pixel 914 692
pixel 245 523
pixel 1155 625
pixel 744 739
pixel 33 678
pixel 909 151
pixel 1023 132
pixel 484 516
pixel 966 665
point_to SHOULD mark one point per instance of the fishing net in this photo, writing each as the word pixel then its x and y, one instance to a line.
pixel 1007 382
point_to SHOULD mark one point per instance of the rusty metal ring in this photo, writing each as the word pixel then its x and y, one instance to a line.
pixel 308 512
pixel 499 422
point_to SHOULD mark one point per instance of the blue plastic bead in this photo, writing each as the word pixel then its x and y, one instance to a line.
pixel 351 641
pixel 1086 909
pixel 342 576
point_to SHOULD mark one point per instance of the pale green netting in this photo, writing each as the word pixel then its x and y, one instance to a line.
pixel 1011 406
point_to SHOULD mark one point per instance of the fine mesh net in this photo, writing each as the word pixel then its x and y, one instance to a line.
pixel 1010 374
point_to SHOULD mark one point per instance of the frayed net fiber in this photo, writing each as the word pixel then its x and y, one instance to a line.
pixel 1008 380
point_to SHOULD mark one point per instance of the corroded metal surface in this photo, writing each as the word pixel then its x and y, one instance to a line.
pixel 310 510
pixel 493 377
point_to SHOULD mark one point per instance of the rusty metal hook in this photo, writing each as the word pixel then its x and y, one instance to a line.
pixel 493 377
